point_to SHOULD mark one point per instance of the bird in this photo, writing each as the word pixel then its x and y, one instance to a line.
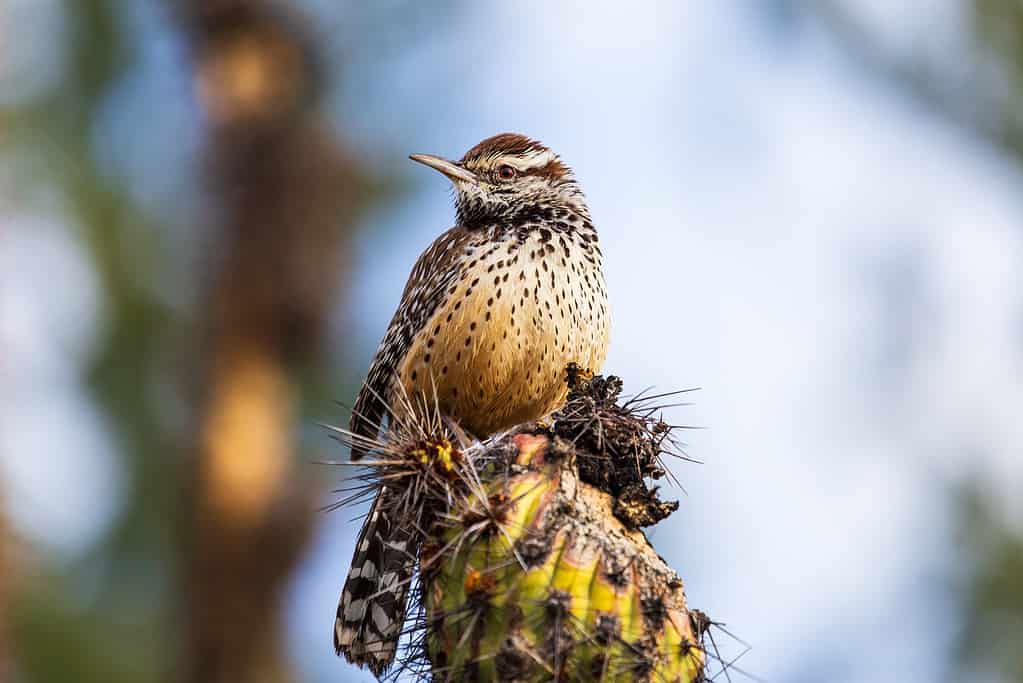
pixel 494 311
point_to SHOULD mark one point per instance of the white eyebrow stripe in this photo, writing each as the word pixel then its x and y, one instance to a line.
pixel 532 159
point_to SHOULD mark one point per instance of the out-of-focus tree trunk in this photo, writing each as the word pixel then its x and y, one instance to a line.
pixel 282 196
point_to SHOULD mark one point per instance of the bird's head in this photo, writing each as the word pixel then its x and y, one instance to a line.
pixel 508 177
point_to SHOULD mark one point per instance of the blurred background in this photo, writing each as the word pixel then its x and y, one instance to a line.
pixel 811 210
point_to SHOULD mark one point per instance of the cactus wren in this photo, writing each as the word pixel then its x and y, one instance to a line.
pixel 493 313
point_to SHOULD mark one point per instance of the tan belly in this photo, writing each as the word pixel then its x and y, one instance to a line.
pixel 494 354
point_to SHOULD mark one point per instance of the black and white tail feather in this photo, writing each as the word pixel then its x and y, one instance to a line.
pixel 372 608
pixel 375 599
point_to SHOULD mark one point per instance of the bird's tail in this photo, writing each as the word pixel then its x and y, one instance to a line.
pixel 371 611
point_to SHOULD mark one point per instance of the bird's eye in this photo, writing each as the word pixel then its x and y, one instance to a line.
pixel 506 172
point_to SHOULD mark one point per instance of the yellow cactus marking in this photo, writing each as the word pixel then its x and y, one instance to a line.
pixel 444 455
pixel 478 583
pixel 439 454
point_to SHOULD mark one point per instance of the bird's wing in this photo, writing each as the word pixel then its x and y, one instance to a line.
pixel 430 282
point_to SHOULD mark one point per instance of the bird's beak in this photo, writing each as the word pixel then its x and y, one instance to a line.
pixel 448 168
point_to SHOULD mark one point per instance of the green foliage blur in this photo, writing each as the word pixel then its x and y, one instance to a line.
pixel 123 633
pixel 987 556
pixel 991 545
pixel 990 552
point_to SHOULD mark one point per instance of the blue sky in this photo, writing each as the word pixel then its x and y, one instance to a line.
pixel 835 267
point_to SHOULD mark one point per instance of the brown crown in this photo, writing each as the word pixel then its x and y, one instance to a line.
pixel 504 143
pixel 514 143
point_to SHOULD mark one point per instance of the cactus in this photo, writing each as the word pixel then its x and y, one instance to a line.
pixel 531 563
pixel 553 585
